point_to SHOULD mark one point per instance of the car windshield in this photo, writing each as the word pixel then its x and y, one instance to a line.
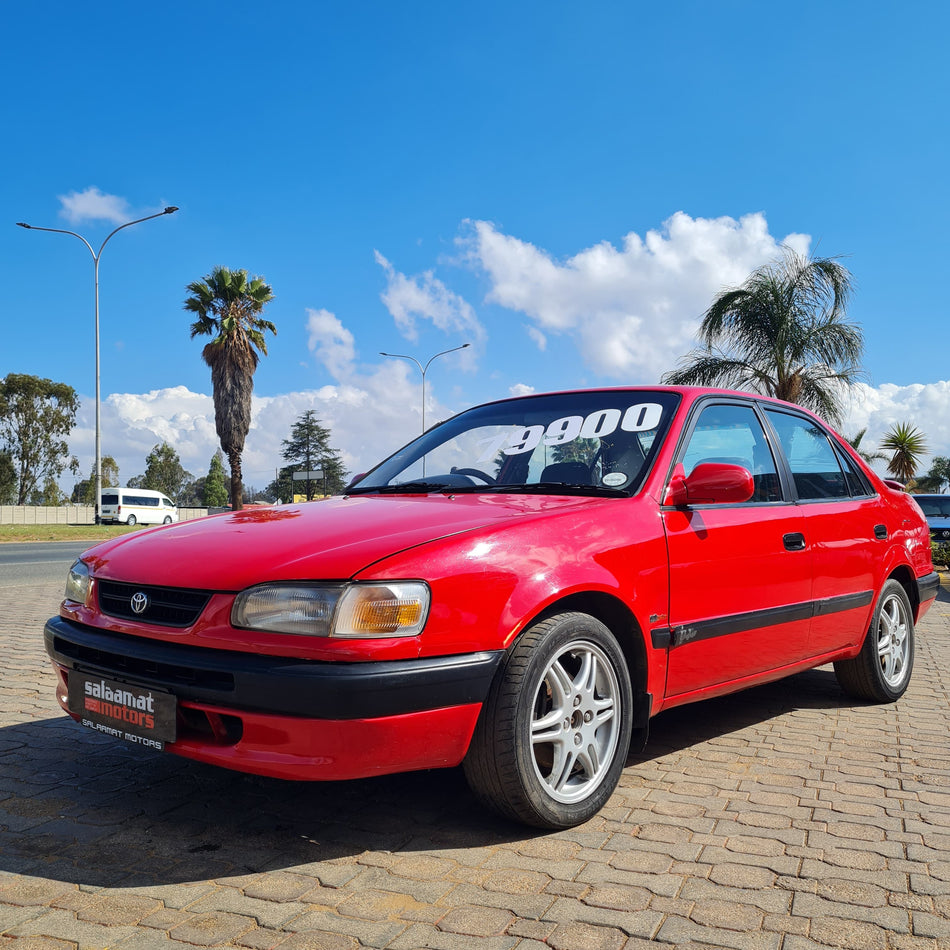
pixel 599 442
pixel 934 506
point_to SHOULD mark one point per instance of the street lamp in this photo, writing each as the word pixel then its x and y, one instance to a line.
pixel 95 260
pixel 400 356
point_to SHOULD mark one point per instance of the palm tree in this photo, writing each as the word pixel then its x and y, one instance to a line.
pixel 782 333
pixel 229 306
pixel 869 457
pixel 908 445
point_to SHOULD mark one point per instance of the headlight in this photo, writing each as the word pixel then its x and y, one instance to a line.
pixel 398 609
pixel 78 582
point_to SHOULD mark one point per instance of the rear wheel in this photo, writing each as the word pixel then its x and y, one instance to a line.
pixel 130 521
pixel 553 735
pixel 881 671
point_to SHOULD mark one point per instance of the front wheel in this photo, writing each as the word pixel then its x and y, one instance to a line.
pixel 168 519
pixel 553 735
pixel 881 671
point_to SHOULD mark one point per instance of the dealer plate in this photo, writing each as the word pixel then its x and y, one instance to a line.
pixel 137 714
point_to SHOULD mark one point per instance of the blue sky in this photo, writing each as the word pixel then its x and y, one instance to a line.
pixel 563 185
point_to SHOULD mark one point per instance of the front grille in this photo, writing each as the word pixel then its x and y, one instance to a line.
pixel 137 668
pixel 165 606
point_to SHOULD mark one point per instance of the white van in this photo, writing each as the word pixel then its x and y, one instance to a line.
pixel 136 506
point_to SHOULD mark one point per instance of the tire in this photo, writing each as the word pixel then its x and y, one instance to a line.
pixel 881 671
pixel 131 522
pixel 565 680
pixel 168 519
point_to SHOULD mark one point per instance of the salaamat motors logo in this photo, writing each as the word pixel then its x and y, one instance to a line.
pixel 121 705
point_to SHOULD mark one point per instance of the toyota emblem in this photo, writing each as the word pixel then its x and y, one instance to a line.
pixel 139 603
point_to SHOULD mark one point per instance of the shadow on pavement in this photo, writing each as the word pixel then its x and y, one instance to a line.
pixel 80 808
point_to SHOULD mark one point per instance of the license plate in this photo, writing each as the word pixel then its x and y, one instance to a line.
pixel 135 713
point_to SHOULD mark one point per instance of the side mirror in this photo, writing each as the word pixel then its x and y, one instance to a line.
pixel 710 483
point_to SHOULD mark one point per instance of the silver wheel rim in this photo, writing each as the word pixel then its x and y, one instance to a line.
pixel 893 641
pixel 575 722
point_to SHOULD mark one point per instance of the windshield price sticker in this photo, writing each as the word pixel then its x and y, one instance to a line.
pixel 597 425
pixel 138 715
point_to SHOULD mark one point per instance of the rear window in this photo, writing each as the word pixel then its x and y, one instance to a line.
pixel 110 498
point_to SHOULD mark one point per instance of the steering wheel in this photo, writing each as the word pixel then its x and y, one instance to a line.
pixel 474 472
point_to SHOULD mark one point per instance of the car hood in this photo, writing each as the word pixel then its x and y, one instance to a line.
pixel 327 540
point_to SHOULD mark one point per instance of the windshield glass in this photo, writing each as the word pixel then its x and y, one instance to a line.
pixel 599 442
pixel 934 506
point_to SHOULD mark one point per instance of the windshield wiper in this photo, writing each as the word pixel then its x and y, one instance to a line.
pixel 411 488
pixel 545 488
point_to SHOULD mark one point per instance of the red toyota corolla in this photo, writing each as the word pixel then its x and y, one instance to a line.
pixel 519 590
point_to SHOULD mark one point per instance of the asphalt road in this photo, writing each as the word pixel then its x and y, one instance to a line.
pixel 37 562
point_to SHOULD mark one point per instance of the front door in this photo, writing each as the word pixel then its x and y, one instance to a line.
pixel 740 574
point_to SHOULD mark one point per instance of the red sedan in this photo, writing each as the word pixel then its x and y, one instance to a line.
pixel 520 590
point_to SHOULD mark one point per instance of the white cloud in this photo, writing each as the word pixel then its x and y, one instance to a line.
pixel 426 297
pixel 632 311
pixel 521 389
pixel 93 205
pixel 330 342
pixel 877 408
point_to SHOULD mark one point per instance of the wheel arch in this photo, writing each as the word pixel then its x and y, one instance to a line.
pixel 908 580
pixel 614 614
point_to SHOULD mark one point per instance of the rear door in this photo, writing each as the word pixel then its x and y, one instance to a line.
pixel 740 575
pixel 844 529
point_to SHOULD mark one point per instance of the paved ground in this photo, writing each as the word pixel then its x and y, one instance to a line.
pixel 784 818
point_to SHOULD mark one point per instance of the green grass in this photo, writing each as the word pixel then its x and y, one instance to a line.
pixel 61 532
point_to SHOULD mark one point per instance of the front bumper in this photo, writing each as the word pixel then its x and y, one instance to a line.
pixel 293 718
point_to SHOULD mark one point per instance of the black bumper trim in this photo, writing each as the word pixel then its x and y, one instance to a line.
pixel 275 685
pixel 928 586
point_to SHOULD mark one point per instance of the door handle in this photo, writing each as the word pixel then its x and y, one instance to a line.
pixel 880 532
pixel 795 541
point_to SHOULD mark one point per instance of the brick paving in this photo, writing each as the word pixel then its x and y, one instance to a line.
pixel 783 818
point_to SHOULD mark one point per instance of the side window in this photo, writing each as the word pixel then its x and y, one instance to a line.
pixel 813 461
pixel 733 435
pixel 858 485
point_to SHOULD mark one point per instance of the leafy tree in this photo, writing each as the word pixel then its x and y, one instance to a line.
pixel 869 457
pixel 36 415
pixel 907 446
pixel 782 333
pixel 7 479
pixel 281 489
pixel 307 449
pixel 137 481
pixel 229 306
pixel 49 496
pixel 164 472
pixel 215 493
pixel 85 491
pixel 937 477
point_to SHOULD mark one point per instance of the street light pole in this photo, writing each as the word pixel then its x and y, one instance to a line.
pixel 95 260
pixel 400 356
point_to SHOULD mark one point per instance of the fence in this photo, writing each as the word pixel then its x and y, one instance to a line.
pixel 71 514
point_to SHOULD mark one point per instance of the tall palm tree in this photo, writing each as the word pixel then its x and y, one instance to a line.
pixel 782 333
pixel 229 306
pixel 908 445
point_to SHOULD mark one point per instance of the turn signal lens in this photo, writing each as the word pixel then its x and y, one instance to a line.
pixel 383 610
